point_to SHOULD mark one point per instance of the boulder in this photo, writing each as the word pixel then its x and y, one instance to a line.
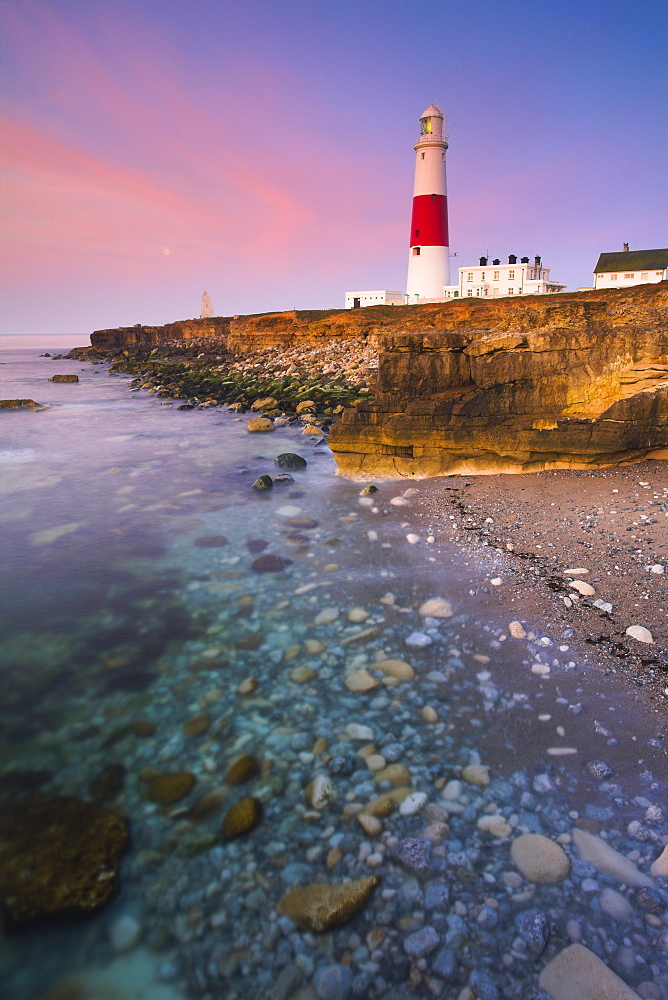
pixel 64 378
pixel 260 425
pixel 58 856
pixel 19 404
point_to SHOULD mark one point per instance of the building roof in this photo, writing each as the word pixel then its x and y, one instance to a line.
pixel 632 260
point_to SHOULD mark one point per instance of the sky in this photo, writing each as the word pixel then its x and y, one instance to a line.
pixel 263 150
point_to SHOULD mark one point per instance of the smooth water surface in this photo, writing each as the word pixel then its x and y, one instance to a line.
pixel 135 601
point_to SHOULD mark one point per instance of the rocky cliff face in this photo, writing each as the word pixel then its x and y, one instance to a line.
pixel 128 337
pixel 568 381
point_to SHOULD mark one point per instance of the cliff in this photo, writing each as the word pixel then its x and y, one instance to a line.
pixel 549 382
pixel 182 331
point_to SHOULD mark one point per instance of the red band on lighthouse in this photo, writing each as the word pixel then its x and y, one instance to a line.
pixel 429 225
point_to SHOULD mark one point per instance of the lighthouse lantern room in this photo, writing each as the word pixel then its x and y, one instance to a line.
pixel 428 263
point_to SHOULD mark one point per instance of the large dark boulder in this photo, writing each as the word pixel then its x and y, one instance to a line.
pixel 59 856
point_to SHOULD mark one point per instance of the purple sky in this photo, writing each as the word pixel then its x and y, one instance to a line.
pixel 263 150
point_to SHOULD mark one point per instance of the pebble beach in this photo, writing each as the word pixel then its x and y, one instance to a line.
pixel 372 740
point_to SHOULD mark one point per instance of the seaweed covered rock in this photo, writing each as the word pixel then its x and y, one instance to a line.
pixel 58 856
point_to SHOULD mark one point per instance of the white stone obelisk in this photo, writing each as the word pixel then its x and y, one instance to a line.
pixel 207 306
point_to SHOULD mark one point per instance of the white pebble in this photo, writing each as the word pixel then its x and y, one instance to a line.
pixel 412 539
pixel 640 633
pixel 124 933
pixel 413 803
pixel 583 588
pixel 496 581
pixel 399 502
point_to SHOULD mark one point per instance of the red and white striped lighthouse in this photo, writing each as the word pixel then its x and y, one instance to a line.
pixel 428 261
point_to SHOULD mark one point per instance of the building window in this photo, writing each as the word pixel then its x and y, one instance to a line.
pixel 416 251
pixel 613 277
pixel 496 276
pixel 469 291
pixel 658 273
pixel 511 291
pixel 469 276
pixel 643 276
pixel 511 275
pixel 482 276
pixel 423 156
pixel 417 234
pixel 627 276
pixel 456 295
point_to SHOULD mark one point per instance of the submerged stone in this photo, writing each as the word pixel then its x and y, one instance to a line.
pixel 242 817
pixel 289 460
pixel 321 907
pixel 263 483
pixel 64 378
pixel 269 563
pixel 578 972
pixel 58 856
pixel 210 542
pixel 168 788
pixel 242 770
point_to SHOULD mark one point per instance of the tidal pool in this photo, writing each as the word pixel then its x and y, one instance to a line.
pixel 162 617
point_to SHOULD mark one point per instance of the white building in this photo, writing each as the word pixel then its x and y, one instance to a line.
pixel 630 267
pixel 357 300
pixel 495 279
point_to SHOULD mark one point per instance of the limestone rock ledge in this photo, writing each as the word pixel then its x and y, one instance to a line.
pixel 552 382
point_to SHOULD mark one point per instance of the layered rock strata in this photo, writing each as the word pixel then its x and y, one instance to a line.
pixel 574 381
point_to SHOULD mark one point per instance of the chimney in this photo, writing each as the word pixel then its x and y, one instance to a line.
pixel 536 261
pixel 483 261
pixel 626 248
pixel 512 259
pixel 524 260
pixel 496 262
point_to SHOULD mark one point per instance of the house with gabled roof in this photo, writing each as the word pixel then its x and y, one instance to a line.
pixel 630 267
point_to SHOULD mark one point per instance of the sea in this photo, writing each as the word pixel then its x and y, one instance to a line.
pixel 182 649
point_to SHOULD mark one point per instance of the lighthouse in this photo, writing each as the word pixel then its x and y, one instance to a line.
pixel 428 263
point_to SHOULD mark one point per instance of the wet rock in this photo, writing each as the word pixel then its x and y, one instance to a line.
pixel 58 856
pixel 578 972
pixel 421 942
pixel 269 563
pixel 242 817
pixel 342 763
pixel 320 792
pixel 333 982
pixel 368 490
pixel 286 983
pixel 413 803
pixel 288 460
pixel 242 770
pixel 436 607
pixel 395 668
pixel 210 542
pixel 659 866
pixel 263 483
pixel 516 630
pixel 639 832
pixel 108 784
pixel 197 725
pixel 414 854
pixel 321 907
pixel 260 425
pixel 539 859
pixel 360 681
pixel 534 929
pixel 476 774
pixel 124 933
pixel 306 406
pixel 168 788
pixel 445 964
pixel 651 900
pixel 64 378
pixel 142 727
pixel 607 860
pixel 267 403
pixel 483 986
pixel 418 640
pixel 207 806
pixel 19 404
pixel 599 769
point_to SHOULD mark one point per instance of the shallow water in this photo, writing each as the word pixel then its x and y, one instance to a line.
pixel 129 535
